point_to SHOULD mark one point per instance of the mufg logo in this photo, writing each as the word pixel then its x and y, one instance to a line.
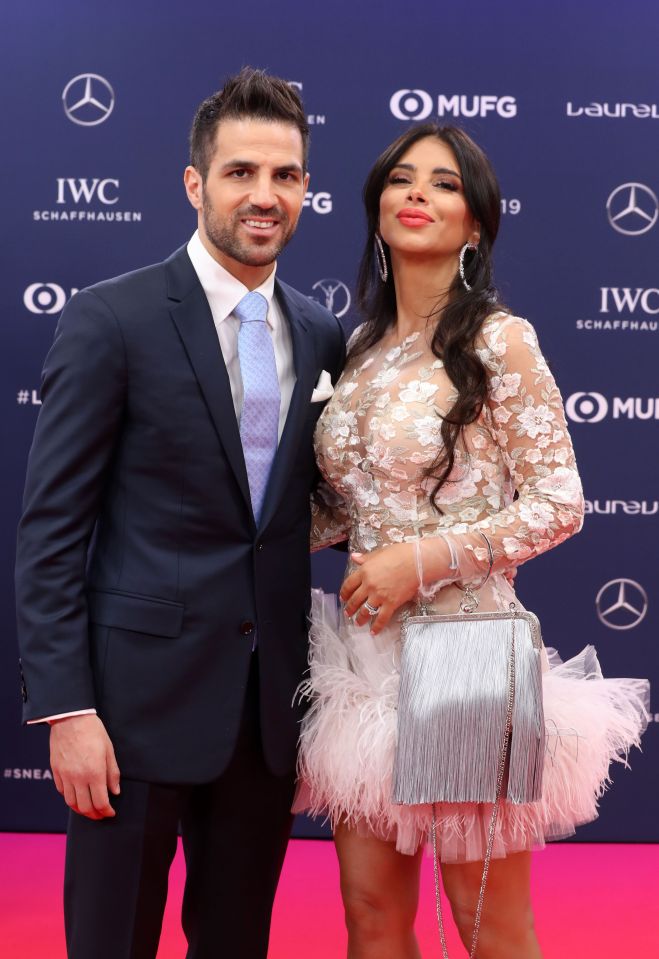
pixel 419 105
pixel 594 407
pixel 46 297
pixel 318 202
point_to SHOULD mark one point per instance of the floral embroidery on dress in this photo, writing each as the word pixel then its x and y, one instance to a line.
pixel 514 476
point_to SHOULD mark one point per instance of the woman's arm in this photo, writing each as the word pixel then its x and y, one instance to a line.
pixel 528 423
pixel 525 416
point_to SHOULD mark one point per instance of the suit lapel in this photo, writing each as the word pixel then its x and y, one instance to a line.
pixel 193 319
pixel 293 307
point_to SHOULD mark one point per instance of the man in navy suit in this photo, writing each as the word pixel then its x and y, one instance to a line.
pixel 163 559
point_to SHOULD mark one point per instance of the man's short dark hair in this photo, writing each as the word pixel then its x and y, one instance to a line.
pixel 250 94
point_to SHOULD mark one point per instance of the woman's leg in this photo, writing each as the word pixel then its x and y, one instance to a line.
pixel 380 889
pixel 506 930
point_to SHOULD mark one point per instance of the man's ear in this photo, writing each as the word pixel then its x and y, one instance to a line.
pixel 194 186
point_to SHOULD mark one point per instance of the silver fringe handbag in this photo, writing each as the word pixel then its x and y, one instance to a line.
pixel 470 718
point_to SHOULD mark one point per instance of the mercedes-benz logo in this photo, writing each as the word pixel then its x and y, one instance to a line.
pixel 632 209
pixel 88 99
pixel 621 604
pixel 336 296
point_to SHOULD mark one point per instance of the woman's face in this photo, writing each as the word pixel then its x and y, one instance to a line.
pixel 423 210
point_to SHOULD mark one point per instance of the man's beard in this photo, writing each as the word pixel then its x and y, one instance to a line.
pixel 224 235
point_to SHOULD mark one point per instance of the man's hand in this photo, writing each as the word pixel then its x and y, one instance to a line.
pixel 84 766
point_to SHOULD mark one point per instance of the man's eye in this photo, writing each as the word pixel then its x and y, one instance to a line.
pixel 239 174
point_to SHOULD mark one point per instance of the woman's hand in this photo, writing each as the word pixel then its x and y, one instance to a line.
pixel 385 578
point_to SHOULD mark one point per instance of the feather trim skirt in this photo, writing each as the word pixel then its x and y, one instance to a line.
pixel 348 740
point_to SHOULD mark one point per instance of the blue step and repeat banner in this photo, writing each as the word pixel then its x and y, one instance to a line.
pixel 97 100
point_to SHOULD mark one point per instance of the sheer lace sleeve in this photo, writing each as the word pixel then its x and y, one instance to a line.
pixel 330 522
pixel 526 419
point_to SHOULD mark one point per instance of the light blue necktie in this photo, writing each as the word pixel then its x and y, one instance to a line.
pixel 259 420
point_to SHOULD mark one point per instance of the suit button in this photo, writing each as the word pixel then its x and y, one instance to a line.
pixel 259 547
pixel 246 627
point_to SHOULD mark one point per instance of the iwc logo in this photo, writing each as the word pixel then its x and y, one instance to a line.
pixel 92 199
pixel 334 295
pixel 632 209
pixel 621 604
pixel 88 99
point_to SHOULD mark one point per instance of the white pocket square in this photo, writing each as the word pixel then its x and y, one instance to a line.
pixel 324 388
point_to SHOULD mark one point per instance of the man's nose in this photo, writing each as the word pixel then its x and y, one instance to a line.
pixel 263 194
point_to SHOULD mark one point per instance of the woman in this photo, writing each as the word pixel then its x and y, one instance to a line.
pixel 445 425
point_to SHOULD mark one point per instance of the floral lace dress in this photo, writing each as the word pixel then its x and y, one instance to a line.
pixel 515 479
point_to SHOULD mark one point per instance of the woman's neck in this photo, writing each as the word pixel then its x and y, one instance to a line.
pixel 421 289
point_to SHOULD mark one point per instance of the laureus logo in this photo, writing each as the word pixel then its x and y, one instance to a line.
pixel 334 295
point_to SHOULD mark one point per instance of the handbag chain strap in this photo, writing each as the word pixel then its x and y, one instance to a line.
pixel 493 819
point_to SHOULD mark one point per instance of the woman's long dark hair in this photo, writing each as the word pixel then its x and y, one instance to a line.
pixel 460 319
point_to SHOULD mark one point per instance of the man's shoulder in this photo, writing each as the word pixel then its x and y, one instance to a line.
pixel 147 282
pixel 311 309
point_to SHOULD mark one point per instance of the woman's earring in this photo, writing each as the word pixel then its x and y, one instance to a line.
pixel 383 267
pixel 463 251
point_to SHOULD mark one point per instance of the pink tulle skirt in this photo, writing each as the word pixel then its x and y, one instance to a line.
pixel 348 739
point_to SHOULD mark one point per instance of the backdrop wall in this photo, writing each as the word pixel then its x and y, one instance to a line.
pixel 97 101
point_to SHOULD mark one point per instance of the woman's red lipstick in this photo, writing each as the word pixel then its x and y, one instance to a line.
pixel 412 216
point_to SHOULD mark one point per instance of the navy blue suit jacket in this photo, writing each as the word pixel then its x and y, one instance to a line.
pixel 140 568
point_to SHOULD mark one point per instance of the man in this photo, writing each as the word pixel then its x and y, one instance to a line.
pixel 163 558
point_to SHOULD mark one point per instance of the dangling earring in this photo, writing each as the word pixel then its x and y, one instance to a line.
pixel 467 246
pixel 383 268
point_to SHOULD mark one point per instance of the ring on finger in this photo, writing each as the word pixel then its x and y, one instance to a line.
pixel 373 610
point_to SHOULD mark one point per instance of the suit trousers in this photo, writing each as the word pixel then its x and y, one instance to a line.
pixel 235 831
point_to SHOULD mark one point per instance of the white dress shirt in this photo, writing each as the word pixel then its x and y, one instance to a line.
pixel 224 292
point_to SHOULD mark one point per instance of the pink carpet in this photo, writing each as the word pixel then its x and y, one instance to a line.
pixel 590 900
